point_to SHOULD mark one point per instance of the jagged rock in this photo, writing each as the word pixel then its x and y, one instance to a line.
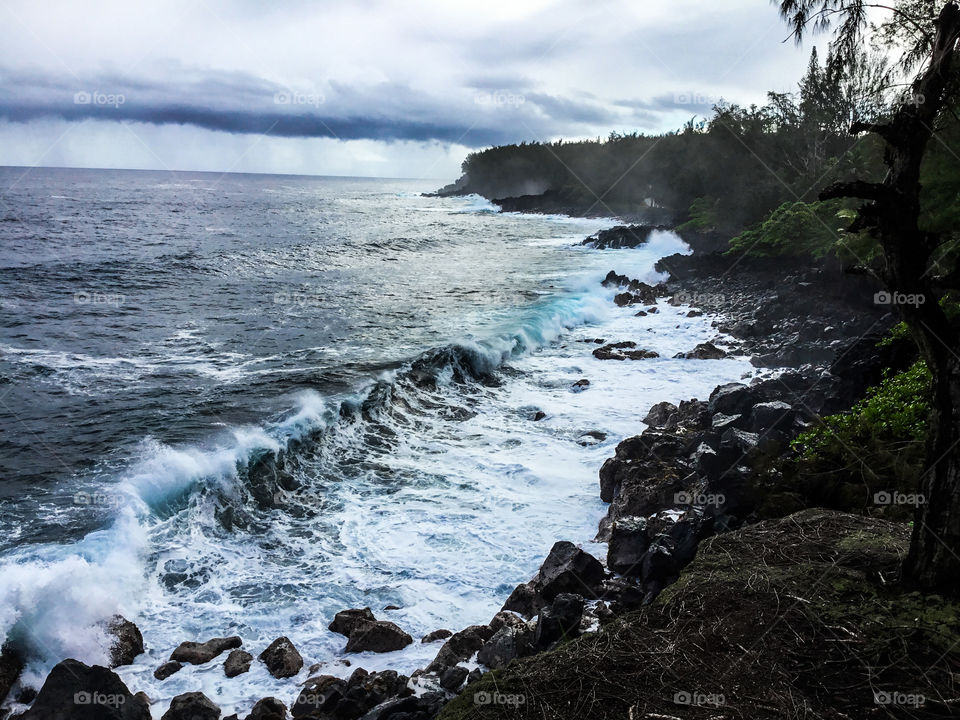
pixel 237 663
pixel 127 641
pixel 775 415
pixel 539 415
pixel 319 695
pixel 621 236
pixel 568 569
pixel 721 422
pixel 282 658
pixel 74 691
pixel 628 544
pixel 167 669
pixel 740 440
pixel 524 600
pixel 732 399
pixel 11 665
pixel 703 351
pixel 453 677
pixel 505 619
pixel 581 385
pixel 558 620
pixel 379 636
pixel 660 414
pixel 460 647
pixel 198 653
pixel 345 621
pixel 268 708
pixel 192 706
pixel 507 643
pixel 436 635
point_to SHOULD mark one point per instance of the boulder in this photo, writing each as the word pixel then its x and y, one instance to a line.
pixel 628 544
pixel 568 569
pixel 775 415
pixel 319 695
pixel 580 385
pixel 507 643
pixel 560 619
pixel 452 678
pixel 192 706
pixel 345 621
pixel 198 653
pixel 732 399
pixel 660 414
pixel 127 641
pixel 282 658
pixel 268 708
pixel 237 663
pixel 74 691
pixel 11 665
pixel 524 600
pixel 379 636
pixel 703 351
pixel 460 647
pixel 167 669
pixel 505 619
pixel 436 635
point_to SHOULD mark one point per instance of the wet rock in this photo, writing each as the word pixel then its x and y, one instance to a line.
pixel 192 706
pixel 237 663
pixel 507 643
pixel 703 351
pixel 460 647
pixel 591 437
pixel 379 636
pixel 568 569
pixel 621 237
pixel 268 708
pixel 74 691
pixel 627 546
pixel 167 669
pixel 319 695
pixel 345 621
pixel 524 600
pixel 581 385
pixel 452 678
pixel 695 313
pixel 198 653
pixel 127 641
pixel 436 635
pixel 28 694
pixel 732 399
pixel 659 415
pixel 505 619
pixel 282 658
pixel 539 415
pixel 560 619
pixel 11 665
pixel 774 415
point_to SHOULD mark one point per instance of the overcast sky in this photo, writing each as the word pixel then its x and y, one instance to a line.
pixel 364 87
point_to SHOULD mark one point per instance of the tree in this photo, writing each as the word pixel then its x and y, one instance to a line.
pixel 892 215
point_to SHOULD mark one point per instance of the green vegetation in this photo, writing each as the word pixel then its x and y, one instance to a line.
pixel 793 229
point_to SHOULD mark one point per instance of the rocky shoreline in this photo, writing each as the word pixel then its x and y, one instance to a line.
pixel 692 474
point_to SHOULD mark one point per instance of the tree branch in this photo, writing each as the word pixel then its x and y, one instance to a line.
pixel 855 189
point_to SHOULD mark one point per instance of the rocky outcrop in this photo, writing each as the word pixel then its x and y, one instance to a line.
pixel 198 653
pixel 623 351
pixel 281 658
pixel 74 691
pixel 460 647
pixel 436 635
pixel 622 236
pixel 330 697
pixel 11 665
pixel 703 351
pixel 567 569
pixel 268 708
pixel 346 621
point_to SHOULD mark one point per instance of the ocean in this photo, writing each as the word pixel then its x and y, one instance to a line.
pixel 237 404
